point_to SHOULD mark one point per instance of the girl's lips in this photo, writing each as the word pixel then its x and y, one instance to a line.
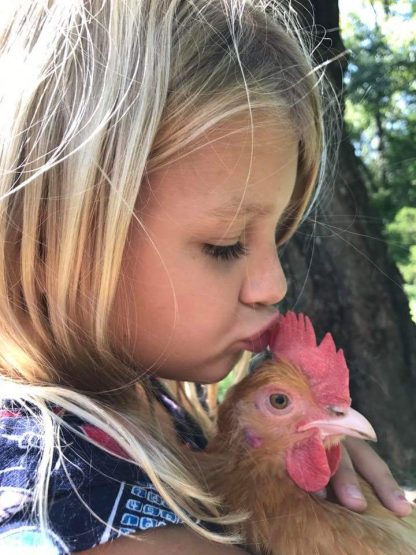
pixel 258 344
pixel 260 340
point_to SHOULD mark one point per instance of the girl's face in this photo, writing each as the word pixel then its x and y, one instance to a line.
pixel 203 273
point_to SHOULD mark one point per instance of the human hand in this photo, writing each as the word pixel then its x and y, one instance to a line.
pixel 358 456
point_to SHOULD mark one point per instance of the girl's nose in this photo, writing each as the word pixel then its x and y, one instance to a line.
pixel 265 282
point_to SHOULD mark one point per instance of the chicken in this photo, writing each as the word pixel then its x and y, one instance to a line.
pixel 278 441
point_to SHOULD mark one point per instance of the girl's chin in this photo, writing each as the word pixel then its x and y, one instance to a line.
pixel 208 373
pixel 216 372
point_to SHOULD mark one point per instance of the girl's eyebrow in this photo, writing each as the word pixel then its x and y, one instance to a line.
pixel 230 209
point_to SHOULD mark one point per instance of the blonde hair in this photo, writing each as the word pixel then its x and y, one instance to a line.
pixel 97 96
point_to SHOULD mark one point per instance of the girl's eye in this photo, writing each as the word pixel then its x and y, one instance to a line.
pixel 226 252
pixel 279 400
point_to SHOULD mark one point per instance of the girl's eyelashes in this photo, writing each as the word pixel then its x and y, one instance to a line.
pixel 226 252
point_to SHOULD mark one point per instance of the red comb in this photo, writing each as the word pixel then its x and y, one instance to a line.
pixel 293 338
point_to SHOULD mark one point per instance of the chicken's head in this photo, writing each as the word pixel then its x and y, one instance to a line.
pixel 296 405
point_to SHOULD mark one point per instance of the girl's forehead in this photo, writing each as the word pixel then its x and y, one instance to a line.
pixel 230 158
pixel 236 138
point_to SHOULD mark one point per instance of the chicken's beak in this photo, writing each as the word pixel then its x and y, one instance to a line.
pixel 350 423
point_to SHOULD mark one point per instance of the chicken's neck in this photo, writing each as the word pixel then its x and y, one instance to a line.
pixel 245 476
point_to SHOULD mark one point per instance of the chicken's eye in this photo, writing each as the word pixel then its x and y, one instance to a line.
pixel 279 400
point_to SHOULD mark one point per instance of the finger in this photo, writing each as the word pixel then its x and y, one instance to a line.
pixel 377 473
pixel 346 485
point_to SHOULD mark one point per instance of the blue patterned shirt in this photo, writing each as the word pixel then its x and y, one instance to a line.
pixel 93 498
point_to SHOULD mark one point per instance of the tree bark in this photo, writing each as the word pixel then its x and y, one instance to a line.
pixel 340 273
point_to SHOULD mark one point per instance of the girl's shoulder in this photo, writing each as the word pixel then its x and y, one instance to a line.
pixel 93 496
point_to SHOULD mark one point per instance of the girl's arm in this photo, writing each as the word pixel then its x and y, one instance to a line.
pixel 175 540
pixel 360 457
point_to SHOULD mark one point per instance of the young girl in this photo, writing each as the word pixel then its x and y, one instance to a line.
pixel 153 154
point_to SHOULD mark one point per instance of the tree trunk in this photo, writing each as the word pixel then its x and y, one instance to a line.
pixel 340 273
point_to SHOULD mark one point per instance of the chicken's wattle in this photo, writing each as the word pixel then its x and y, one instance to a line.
pixel 310 465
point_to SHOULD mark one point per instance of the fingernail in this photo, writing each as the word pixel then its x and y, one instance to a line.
pixel 353 492
pixel 400 496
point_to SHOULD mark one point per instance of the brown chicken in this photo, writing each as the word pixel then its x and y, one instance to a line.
pixel 278 441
